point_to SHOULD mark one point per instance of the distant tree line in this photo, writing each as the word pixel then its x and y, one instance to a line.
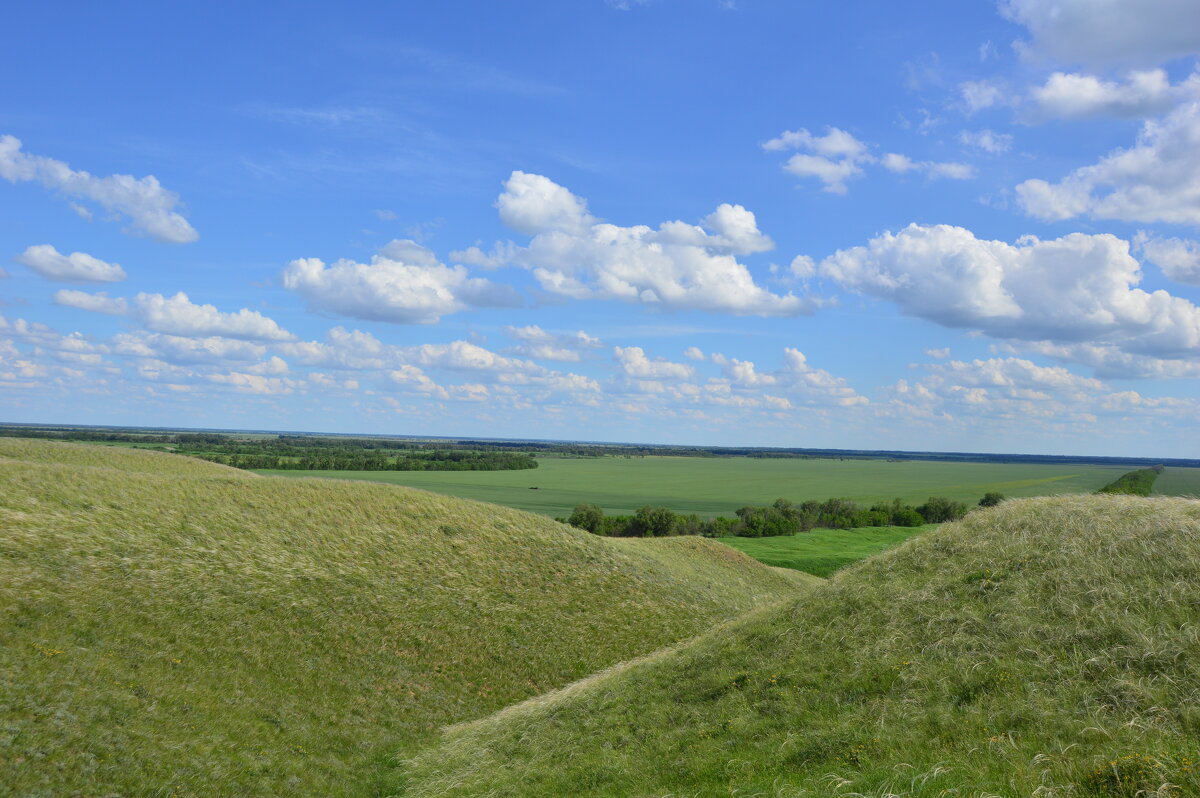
pixel 305 452
pixel 781 518
pixel 88 435
pixel 1135 483
pixel 559 448
pixel 349 460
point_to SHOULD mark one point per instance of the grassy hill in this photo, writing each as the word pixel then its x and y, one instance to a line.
pixel 1046 647
pixel 171 627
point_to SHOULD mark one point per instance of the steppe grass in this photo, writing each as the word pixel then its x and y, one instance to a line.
pixel 1044 647
pixel 711 486
pixel 171 627
pixel 822 551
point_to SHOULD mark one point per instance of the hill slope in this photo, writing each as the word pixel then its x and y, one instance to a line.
pixel 1046 647
pixel 172 627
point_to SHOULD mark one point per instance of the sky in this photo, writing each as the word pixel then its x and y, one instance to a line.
pixel 941 225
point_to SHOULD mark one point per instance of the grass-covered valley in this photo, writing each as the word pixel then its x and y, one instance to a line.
pixel 170 626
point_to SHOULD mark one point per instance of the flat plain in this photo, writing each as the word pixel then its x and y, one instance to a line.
pixel 712 486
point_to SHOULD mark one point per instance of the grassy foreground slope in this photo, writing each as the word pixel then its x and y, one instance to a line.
pixel 170 627
pixel 1046 647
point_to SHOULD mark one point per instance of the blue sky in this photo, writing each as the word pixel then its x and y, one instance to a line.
pixel 944 225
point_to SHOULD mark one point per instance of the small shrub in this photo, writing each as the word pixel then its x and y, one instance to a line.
pixel 1129 776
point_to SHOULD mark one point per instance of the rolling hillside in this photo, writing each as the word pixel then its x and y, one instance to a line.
pixel 1046 647
pixel 171 627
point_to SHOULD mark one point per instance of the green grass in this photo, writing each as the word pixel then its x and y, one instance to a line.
pixel 1178 482
pixel 173 627
pixel 823 551
pixel 1044 647
pixel 718 486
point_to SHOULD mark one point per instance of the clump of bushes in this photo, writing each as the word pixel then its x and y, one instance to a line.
pixel 777 519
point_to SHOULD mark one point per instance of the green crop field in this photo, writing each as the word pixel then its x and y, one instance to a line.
pixel 1178 482
pixel 823 551
pixel 719 485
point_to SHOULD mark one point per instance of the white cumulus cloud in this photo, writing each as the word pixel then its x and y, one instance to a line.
pixel 178 315
pixel 538 343
pixel 838 157
pixel 403 284
pixel 635 364
pixel 1071 289
pixel 352 350
pixel 979 95
pixel 1178 258
pixel 179 350
pixel 988 141
pixel 1156 180
pixel 99 302
pixel 468 357
pixel 677 266
pixel 1143 93
pixel 742 372
pixel 1109 362
pixel 535 204
pixel 243 382
pixel 833 158
pixel 1109 31
pixel 815 383
pixel 78 267
pixel 414 379
pixel 149 206
pixel 1003 396
pixel 901 164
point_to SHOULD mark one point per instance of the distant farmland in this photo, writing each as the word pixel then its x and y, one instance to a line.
pixel 719 485
pixel 1178 482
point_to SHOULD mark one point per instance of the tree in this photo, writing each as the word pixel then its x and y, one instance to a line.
pixel 653 522
pixel 907 516
pixel 991 499
pixel 587 516
pixel 939 509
